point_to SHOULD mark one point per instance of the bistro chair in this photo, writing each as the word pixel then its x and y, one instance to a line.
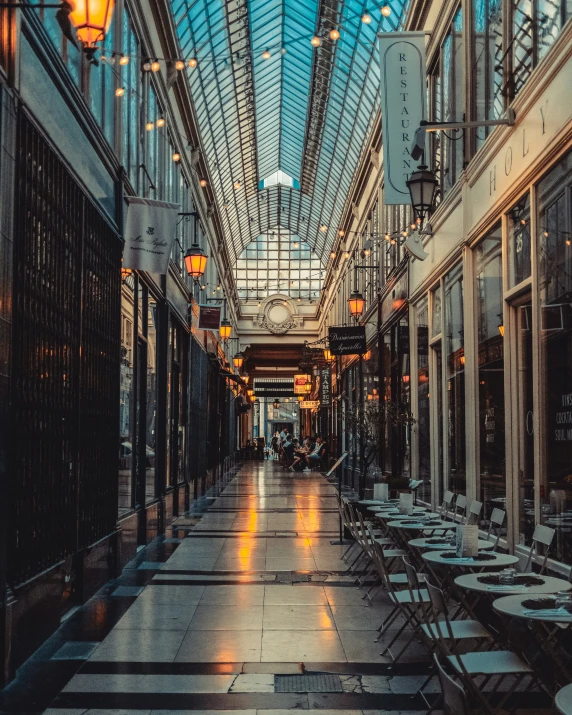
pixel 411 604
pixel 446 505
pixel 542 537
pixel 454 697
pixel 495 526
pixel 474 514
pixel 460 508
pixel 482 665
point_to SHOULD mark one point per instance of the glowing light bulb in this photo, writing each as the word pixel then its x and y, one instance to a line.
pixel 149 126
pixel 296 244
pixel 179 65
pixel 123 60
pixel 176 156
pixel 155 66
pixel 332 254
pixel 315 41
pixel 341 233
pixel 387 237
pixel 404 234
pixel 323 228
pixel 366 19
pixel 160 122
pixel 568 242
pixel 386 11
pixel 346 254
pixel 119 92
pixel 192 62
pixel 334 34
pixel 203 182
pixel 266 55
pixel 147 66
pixel 237 185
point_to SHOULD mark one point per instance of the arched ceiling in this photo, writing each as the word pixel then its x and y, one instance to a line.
pixel 305 111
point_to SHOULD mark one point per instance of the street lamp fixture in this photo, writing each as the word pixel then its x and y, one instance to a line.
pixel 308 387
pixel 328 355
pixel 196 262
pixel 422 185
pixel 225 329
pixel 356 304
pixel 237 360
pixel 91 19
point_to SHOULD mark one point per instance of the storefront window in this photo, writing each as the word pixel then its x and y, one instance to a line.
pixel 436 322
pixel 519 241
pixel 151 401
pixel 490 349
pixel 455 366
pixel 126 397
pixel 555 330
pixel 423 411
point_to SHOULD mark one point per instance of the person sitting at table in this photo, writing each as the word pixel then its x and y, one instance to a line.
pixel 315 456
pixel 300 456
pixel 288 449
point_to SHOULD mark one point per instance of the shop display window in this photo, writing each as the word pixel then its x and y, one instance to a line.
pixel 554 221
pixel 490 365
pixel 455 374
pixel 423 395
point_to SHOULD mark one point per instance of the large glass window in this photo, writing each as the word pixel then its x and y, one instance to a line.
pixel 423 411
pixel 450 88
pixel 487 71
pixel 490 350
pixel 535 26
pixel 555 286
pixel 278 262
pixel 455 367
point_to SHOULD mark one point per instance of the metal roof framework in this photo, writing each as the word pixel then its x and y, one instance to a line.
pixel 305 111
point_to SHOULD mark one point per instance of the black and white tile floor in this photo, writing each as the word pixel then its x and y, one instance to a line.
pixel 202 621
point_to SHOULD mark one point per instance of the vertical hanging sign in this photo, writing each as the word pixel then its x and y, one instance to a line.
pixel 403 88
pixel 325 386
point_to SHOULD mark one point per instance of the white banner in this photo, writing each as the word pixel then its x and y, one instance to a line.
pixel 403 88
pixel 150 228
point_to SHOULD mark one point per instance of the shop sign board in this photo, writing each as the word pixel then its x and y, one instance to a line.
pixel 403 88
pixel 325 386
pixel 209 317
pixel 309 404
pixel 299 382
pixel 347 340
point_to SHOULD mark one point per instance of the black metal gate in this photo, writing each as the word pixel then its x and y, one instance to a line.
pixel 66 342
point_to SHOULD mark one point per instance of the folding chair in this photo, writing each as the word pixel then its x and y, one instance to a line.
pixel 460 504
pixel 368 536
pixel 472 665
pixel 454 697
pixel 495 523
pixel 474 512
pixel 446 505
pixel 454 631
pixel 409 603
pixel 542 536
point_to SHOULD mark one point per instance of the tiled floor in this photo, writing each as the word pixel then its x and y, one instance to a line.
pixel 229 606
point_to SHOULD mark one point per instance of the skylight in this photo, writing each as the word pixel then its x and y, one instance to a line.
pixel 279 178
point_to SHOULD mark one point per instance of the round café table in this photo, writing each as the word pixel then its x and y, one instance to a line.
pixel 424 543
pixel 494 561
pixel 552 661
pixel 470 582
pixel 377 502
pixel 563 700
pixel 399 529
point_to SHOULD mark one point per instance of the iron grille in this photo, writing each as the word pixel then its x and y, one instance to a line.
pixel 66 338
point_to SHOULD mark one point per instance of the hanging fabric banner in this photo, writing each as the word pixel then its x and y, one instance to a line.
pixel 150 228
pixel 403 87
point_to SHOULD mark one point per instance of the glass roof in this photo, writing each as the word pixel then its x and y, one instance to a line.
pixel 267 101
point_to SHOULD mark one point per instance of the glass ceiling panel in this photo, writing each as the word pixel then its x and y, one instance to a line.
pixel 303 111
